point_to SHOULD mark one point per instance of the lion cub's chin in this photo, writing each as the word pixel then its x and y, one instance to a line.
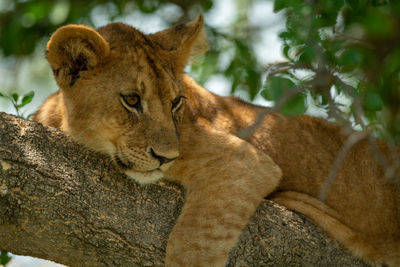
pixel 145 177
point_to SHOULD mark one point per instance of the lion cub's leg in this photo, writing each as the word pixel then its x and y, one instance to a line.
pixel 226 179
pixel 327 218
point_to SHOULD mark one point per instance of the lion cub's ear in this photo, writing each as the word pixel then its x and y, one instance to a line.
pixel 73 49
pixel 182 41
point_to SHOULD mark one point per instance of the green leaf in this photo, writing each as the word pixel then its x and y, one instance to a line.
pixel 1 94
pixel 380 2
pixel 148 7
pixel 15 96
pixel 319 99
pixel 275 87
pixel 280 4
pixel 351 59
pixel 206 4
pixel 39 10
pixel 307 55
pixel 236 81
pixel 285 50
pixel 372 101
pixel 208 67
pixel 356 4
pixel 27 99
pixel 284 35
pixel 331 5
pixel 294 106
pixel 379 24
pixel 253 80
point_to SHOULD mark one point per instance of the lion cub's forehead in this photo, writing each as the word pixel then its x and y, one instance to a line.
pixel 141 62
pixel 124 38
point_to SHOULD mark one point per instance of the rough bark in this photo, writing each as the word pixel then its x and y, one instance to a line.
pixel 61 202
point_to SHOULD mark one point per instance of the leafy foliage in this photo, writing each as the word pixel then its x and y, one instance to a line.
pixel 25 23
pixel 335 49
pixel 19 102
pixel 348 48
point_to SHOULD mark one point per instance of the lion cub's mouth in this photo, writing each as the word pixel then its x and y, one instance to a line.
pixel 142 177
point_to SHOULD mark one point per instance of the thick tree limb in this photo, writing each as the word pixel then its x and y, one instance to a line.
pixel 59 201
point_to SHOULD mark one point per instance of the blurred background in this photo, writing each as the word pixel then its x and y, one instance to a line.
pixel 337 59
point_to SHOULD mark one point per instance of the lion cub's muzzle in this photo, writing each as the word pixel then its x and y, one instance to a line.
pixel 144 167
pixel 162 159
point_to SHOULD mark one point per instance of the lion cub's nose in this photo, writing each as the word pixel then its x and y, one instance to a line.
pixel 162 159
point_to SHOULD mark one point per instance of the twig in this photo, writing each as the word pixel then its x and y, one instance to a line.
pixel 389 169
pixel 279 67
pixel 350 142
pixel 350 39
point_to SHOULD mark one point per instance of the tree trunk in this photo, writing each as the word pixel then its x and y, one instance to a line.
pixel 61 202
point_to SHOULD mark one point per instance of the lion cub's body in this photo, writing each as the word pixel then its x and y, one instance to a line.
pixel 125 94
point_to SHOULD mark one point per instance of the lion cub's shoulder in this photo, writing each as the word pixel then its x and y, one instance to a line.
pixel 52 111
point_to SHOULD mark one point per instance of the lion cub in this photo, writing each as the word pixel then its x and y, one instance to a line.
pixel 124 93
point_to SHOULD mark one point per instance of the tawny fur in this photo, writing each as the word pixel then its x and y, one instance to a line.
pixel 225 176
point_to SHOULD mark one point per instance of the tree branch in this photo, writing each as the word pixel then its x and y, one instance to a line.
pixel 61 202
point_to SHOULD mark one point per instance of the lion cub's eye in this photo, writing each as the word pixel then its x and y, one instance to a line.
pixel 177 103
pixel 131 101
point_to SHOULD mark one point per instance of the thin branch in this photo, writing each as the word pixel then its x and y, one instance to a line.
pixel 350 142
pixel 284 66
pixel 350 40
pixel 389 168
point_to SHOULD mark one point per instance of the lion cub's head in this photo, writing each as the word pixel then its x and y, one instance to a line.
pixel 123 91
